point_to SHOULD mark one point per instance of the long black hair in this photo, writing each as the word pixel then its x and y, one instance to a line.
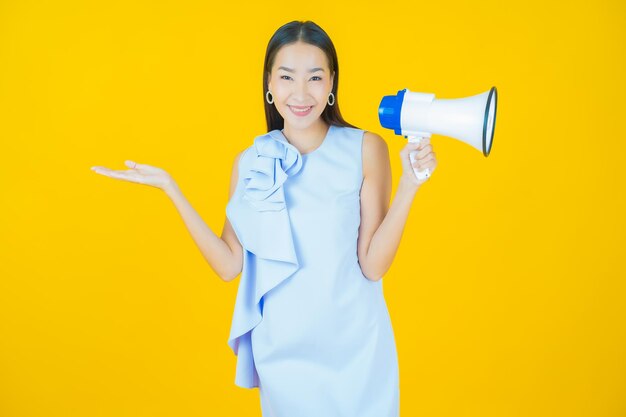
pixel 311 33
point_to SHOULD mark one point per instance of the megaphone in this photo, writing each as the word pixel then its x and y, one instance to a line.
pixel 417 115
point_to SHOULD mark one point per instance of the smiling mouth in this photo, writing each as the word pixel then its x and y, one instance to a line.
pixel 300 109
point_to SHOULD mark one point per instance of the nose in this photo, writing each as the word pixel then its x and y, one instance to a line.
pixel 300 91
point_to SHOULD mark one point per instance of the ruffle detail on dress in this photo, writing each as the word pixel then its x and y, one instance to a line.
pixel 258 216
pixel 275 161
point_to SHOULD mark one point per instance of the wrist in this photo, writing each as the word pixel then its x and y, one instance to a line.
pixel 408 186
pixel 170 188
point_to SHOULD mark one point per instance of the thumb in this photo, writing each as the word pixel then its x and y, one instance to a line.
pixel 411 146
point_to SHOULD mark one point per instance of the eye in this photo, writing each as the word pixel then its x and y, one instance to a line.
pixel 316 77
pixel 284 76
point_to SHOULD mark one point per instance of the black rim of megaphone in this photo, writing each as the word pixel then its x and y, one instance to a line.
pixel 493 94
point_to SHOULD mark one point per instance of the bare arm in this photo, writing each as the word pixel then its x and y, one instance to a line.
pixel 224 254
pixel 382 226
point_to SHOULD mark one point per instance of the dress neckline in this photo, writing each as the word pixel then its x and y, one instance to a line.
pixel 283 137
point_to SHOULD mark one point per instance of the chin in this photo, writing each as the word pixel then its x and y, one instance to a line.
pixel 310 121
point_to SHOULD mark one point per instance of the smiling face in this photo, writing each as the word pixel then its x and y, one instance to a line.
pixel 300 79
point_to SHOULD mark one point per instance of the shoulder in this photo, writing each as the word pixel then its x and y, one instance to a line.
pixel 243 155
pixel 247 155
pixel 239 163
pixel 373 140
pixel 237 160
pixel 375 153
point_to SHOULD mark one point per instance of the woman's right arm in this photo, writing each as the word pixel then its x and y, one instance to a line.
pixel 224 254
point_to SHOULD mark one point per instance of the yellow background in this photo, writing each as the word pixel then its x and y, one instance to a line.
pixel 507 295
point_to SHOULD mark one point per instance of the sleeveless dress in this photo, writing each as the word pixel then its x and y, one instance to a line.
pixel 308 328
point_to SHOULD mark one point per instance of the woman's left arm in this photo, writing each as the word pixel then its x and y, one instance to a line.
pixel 382 225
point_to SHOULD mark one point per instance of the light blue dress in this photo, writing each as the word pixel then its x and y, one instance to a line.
pixel 308 328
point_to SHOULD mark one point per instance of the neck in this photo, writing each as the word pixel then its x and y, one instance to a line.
pixel 308 139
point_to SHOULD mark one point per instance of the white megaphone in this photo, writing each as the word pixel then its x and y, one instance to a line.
pixel 417 115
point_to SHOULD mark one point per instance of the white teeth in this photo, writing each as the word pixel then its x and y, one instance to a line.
pixel 300 111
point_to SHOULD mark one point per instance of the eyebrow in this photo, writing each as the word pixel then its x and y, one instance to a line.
pixel 292 70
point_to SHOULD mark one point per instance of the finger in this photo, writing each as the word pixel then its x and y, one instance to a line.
pixel 411 146
pixel 408 149
pixel 100 170
pixel 125 176
pixel 430 164
pixel 132 164
pixel 424 151
pixel 135 165
pixel 424 142
pixel 422 165
pixel 412 155
pixel 107 171
pixel 424 160
pixel 428 157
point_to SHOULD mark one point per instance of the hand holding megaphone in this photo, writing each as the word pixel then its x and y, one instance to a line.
pixel 416 116
pixel 418 161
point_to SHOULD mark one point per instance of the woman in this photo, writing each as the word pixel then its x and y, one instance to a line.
pixel 311 232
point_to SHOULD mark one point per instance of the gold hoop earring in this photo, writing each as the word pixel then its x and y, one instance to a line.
pixel 267 99
pixel 329 96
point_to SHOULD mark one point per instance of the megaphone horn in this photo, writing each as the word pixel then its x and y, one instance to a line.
pixel 418 115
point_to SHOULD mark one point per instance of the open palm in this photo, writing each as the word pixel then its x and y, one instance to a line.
pixel 139 173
